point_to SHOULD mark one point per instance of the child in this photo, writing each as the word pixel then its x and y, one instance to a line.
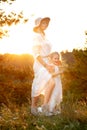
pixel 56 97
pixel 54 60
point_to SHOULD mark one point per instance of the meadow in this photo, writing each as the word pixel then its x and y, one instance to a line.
pixel 16 76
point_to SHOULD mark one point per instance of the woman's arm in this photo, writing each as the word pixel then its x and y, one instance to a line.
pixel 39 58
pixel 48 67
pixel 56 74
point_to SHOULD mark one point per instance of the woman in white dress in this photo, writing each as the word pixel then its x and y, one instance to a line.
pixel 43 80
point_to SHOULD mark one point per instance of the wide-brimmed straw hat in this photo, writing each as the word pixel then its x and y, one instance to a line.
pixel 39 20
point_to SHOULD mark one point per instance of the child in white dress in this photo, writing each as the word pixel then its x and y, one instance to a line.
pixel 56 96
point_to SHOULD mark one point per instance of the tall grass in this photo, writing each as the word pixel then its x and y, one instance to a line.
pixel 16 75
pixel 72 117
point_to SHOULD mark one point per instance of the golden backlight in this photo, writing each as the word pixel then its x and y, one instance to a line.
pixel 19 40
pixel 66 30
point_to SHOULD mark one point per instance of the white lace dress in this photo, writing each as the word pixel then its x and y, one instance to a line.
pixel 56 96
pixel 42 47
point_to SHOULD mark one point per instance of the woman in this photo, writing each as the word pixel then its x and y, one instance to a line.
pixel 43 81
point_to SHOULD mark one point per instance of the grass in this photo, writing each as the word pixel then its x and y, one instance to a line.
pixel 73 117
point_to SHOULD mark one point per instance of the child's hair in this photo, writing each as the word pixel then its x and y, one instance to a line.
pixel 54 53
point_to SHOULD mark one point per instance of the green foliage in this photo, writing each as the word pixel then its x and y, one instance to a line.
pixel 22 119
pixel 76 75
pixel 9 19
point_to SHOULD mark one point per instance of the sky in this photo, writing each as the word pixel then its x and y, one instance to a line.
pixel 66 29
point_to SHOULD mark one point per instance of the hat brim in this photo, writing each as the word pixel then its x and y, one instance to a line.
pixel 43 19
pixel 46 18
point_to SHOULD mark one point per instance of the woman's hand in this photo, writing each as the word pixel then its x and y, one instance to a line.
pixel 50 68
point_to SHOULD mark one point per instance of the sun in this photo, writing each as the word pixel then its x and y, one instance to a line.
pixel 19 40
pixel 62 35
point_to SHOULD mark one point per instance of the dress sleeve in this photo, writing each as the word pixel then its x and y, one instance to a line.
pixel 36 46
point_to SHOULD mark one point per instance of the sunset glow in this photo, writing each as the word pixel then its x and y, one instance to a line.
pixel 19 40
